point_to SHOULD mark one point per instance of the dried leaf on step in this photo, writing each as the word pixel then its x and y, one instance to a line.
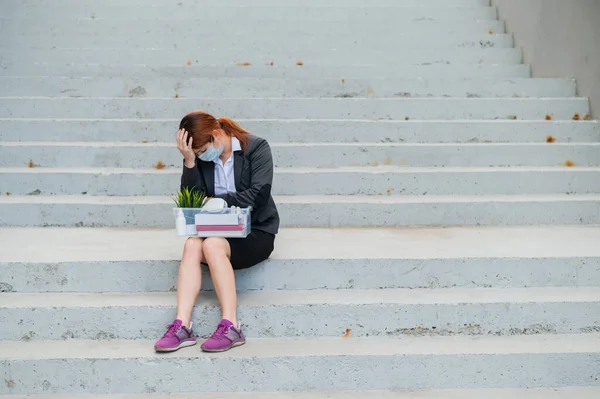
pixel 31 164
pixel 569 164
pixel 8 194
pixel 548 117
pixel 299 63
pixel 243 64
pixel 550 139
pixel 347 334
pixel 160 165
pixel 176 95
pixel 576 117
pixel 189 62
pixel 587 117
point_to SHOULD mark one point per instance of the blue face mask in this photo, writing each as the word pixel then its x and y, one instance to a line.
pixel 211 154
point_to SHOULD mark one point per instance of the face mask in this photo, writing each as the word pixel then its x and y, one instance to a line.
pixel 211 154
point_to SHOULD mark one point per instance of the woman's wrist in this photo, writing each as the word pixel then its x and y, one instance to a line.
pixel 189 163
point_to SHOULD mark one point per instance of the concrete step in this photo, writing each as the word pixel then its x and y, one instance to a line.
pixel 381 180
pixel 108 259
pixel 134 260
pixel 293 314
pixel 318 155
pixel 281 87
pixel 324 211
pixel 473 393
pixel 372 26
pixel 283 54
pixel 309 131
pixel 179 70
pixel 261 41
pixel 249 3
pixel 69 14
pixel 305 108
pixel 285 365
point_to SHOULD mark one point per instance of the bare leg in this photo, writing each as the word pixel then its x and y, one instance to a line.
pixel 217 252
pixel 189 279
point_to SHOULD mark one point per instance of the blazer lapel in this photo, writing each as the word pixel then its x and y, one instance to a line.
pixel 238 165
pixel 208 172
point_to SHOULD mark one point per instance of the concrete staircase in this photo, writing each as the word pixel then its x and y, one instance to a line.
pixel 439 206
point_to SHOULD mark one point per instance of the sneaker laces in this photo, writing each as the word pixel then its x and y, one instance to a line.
pixel 221 330
pixel 171 330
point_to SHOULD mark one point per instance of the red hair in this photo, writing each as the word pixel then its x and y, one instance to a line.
pixel 200 126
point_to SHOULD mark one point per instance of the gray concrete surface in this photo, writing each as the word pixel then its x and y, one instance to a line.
pixel 280 87
pixel 378 181
pixel 298 274
pixel 314 155
pixel 303 40
pixel 490 393
pixel 325 211
pixel 287 365
pixel 279 54
pixel 307 131
pixel 312 108
pixel 109 244
pixel 294 314
pixel 179 69
pixel 255 13
pixel 559 38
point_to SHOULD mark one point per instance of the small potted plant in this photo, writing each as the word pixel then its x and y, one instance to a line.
pixel 188 201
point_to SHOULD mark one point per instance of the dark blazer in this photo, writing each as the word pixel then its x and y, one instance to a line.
pixel 253 172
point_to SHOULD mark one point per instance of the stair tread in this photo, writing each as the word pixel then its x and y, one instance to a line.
pixel 389 296
pixel 128 244
pixel 271 347
pixel 303 199
pixel 473 393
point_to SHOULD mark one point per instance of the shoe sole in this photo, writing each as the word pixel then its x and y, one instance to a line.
pixel 225 349
pixel 181 345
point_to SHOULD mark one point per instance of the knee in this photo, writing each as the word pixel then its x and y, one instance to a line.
pixel 193 246
pixel 214 247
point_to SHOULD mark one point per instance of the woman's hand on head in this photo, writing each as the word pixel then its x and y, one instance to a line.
pixel 185 148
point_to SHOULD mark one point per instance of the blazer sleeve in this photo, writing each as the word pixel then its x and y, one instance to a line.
pixel 261 177
pixel 192 179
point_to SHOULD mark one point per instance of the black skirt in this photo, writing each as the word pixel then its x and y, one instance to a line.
pixel 249 251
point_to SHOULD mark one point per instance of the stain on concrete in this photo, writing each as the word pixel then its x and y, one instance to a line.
pixel 403 94
pixel 35 192
pixel 590 329
pixel 532 330
pixel 28 336
pixel 347 95
pixel 138 91
pixel 10 384
pixel 473 95
pixel 67 335
pixel 46 385
pixel 5 287
pixel 103 335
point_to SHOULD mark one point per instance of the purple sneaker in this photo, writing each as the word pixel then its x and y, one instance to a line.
pixel 226 337
pixel 177 336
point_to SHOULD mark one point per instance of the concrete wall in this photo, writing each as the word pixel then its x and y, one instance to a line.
pixel 560 38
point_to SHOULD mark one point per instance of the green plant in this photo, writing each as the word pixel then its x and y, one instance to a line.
pixel 189 198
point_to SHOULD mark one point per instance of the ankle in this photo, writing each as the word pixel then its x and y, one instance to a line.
pixel 184 321
pixel 233 320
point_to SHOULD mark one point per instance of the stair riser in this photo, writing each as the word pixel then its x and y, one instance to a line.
pixel 282 55
pixel 396 15
pixel 324 183
pixel 315 131
pixel 179 70
pixel 298 274
pixel 299 373
pixel 316 42
pixel 312 156
pixel 261 88
pixel 321 215
pixel 366 27
pixel 314 320
pixel 226 4
pixel 384 109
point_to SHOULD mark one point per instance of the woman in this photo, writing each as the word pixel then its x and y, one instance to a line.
pixel 225 161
